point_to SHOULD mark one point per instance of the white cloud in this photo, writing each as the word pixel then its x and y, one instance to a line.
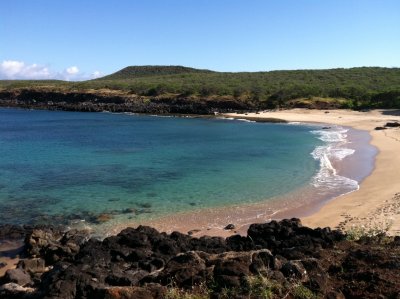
pixel 72 70
pixel 14 70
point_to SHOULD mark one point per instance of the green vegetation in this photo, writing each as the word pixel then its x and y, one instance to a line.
pixel 256 287
pixel 375 229
pixel 355 88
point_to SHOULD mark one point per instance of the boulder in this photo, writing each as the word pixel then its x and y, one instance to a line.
pixel 184 270
pixel 33 266
pixel 12 290
pixel 18 276
pixel 392 125
pixel 295 270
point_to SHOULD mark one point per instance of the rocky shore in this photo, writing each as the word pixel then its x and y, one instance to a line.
pixel 275 260
pixel 118 101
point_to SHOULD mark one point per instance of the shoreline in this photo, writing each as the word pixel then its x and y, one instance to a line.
pixel 337 212
pixel 301 202
pixel 376 205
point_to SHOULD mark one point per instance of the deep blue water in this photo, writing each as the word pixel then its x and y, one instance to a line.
pixel 56 167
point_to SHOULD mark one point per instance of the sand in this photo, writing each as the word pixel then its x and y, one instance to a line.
pixel 377 202
pixel 9 255
pixel 375 205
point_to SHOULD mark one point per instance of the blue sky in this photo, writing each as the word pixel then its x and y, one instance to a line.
pixel 80 39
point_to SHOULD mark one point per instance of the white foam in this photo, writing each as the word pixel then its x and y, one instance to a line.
pixel 246 120
pixel 334 149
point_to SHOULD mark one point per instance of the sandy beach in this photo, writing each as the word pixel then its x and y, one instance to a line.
pixel 375 205
pixel 377 202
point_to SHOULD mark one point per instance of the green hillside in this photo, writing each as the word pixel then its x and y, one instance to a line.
pixel 347 88
pixel 133 72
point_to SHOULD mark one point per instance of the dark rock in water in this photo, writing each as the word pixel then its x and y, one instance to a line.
pixel 144 205
pixel 326 128
pixel 18 276
pixel 230 227
pixel 128 211
pixel 392 125
pixel 380 128
pixel 13 232
pixel 105 217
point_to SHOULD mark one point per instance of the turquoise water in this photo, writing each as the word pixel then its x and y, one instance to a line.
pixel 58 167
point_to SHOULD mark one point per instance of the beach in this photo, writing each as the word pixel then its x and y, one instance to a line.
pixel 377 202
pixel 376 205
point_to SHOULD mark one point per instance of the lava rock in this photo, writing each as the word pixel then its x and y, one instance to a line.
pixel 33 266
pixel 185 270
pixel 18 276
pixel 15 291
pixel 295 270
pixel 392 125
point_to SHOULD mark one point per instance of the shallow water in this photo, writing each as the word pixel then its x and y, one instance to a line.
pixel 68 167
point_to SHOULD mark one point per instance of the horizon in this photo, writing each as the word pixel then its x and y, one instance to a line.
pixel 77 41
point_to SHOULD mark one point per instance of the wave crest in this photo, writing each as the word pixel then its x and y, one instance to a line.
pixel 334 149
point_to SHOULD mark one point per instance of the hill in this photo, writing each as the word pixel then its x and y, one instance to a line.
pixel 132 72
pixel 355 88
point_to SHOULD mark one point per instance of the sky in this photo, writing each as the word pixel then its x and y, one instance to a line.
pixel 83 39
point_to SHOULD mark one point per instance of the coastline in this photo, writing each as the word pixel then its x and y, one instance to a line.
pixel 375 205
pixel 377 202
pixel 301 202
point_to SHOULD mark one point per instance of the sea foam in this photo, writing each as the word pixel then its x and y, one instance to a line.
pixel 334 149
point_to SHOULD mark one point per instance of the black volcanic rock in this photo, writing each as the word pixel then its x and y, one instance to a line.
pixel 392 125
pixel 18 276
pixel 142 262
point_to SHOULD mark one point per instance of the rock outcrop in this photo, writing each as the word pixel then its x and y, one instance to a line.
pixel 282 257
pixel 113 101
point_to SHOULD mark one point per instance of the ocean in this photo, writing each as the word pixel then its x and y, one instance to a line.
pixel 71 168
